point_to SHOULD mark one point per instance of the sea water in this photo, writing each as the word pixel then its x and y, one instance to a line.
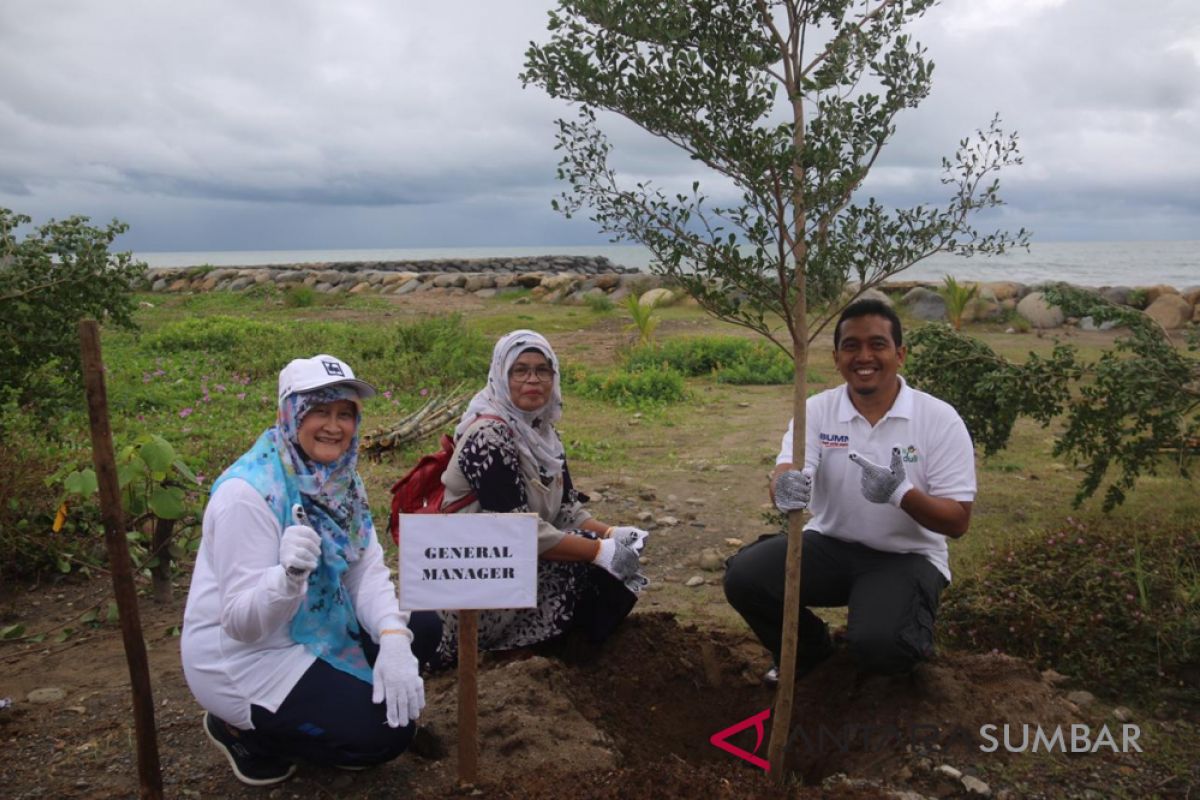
pixel 1175 263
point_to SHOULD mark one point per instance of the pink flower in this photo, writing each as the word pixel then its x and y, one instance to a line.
pixel 387 395
pixel 424 392
pixel 186 412
pixel 241 395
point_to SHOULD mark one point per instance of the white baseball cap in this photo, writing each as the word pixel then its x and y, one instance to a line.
pixel 306 374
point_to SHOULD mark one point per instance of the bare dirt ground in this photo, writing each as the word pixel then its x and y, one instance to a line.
pixel 631 719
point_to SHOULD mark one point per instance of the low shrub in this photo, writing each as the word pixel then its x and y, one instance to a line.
pixel 1114 609
pixel 598 303
pixel 299 296
pixel 643 389
pixel 730 359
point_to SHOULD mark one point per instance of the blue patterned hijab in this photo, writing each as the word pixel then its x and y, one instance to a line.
pixel 335 501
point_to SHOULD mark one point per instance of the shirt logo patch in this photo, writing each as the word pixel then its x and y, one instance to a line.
pixel 834 440
pixel 910 455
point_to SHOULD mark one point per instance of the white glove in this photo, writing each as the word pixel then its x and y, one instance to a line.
pixel 631 537
pixel 299 553
pixel 397 681
pixel 883 484
pixel 617 559
pixel 793 489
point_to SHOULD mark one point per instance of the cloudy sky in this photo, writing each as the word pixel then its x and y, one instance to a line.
pixel 308 124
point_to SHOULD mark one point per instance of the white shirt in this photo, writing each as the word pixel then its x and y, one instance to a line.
pixel 938 458
pixel 236 647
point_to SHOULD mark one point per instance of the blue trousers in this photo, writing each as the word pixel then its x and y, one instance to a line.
pixel 328 717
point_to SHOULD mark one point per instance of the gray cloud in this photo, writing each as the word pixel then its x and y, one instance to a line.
pixel 366 123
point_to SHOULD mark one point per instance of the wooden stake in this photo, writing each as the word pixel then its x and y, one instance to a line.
pixel 784 695
pixel 468 697
pixel 149 772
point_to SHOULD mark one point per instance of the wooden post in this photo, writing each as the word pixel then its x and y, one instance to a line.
pixel 784 694
pixel 149 772
pixel 468 698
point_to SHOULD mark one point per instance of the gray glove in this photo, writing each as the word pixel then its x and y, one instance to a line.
pixel 637 583
pixel 793 489
pixel 883 484
pixel 617 559
pixel 630 536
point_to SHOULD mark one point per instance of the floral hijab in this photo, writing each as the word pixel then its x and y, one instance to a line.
pixel 335 503
pixel 534 431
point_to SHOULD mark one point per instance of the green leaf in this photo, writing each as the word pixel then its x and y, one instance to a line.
pixel 113 614
pixel 91 616
pixel 64 564
pixel 158 454
pixel 81 482
pixel 166 502
pixel 12 631
pixel 172 631
pixel 185 471
pixel 127 473
pixel 63 635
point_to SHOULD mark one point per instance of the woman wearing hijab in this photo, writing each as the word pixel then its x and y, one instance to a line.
pixel 293 640
pixel 509 455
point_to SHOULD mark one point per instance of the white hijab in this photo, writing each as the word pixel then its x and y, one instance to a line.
pixel 533 430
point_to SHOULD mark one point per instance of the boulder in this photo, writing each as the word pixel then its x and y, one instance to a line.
pixel 240 283
pixel 411 285
pixel 553 283
pixel 485 294
pixel 1191 294
pixel 1039 313
pixel 1117 295
pixel 449 279
pixel 1170 311
pixel 330 276
pixel 359 288
pixel 1003 290
pixel 925 304
pixel 505 280
pixel 981 309
pixel 1089 324
pixel 656 297
pixel 181 285
pixel 1155 292
pixel 474 283
pixel 290 276
pixel 875 294
pixel 530 280
pixel 607 281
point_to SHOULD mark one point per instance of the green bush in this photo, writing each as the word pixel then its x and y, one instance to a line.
pixel 643 389
pixel 299 296
pixel 58 274
pixel 1114 609
pixel 441 350
pixel 730 359
pixel 599 303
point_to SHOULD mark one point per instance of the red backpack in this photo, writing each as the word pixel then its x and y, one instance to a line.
pixel 421 490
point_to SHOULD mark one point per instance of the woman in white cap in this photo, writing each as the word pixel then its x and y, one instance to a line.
pixel 509 455
pixel 293 640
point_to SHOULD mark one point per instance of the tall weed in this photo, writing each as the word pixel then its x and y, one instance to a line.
pixel 729 359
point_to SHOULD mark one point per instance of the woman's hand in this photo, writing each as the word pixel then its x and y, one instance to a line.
pixel 396 680
pixel 628 535
pixel 299 553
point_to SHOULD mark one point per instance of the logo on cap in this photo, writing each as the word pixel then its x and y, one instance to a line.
pixel 333 368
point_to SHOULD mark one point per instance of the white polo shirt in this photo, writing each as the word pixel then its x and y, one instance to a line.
pixel 938 458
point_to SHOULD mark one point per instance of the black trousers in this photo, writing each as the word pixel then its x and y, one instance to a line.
pixel 892 598
pixel 328 717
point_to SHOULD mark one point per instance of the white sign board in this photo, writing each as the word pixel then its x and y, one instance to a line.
pixel 468 561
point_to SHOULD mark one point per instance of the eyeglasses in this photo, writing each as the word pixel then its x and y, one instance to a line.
pixel 523 372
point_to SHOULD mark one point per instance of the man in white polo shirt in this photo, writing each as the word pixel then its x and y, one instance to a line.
pixel 889 475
